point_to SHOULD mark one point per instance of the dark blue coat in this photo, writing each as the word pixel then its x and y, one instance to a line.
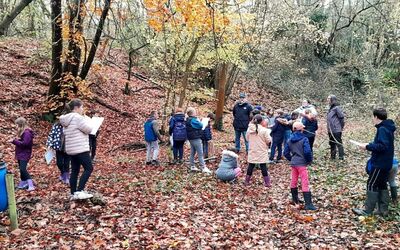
pixel 382 147
pixel 241 116
pixel 278 131
pixel 207 135
pixel 310 127
pixel 178 117
pixel 194 128
pixel 298 150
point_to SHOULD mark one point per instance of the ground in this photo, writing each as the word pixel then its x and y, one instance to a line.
pixel 166 207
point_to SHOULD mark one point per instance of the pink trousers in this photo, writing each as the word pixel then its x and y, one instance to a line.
pixel 303 173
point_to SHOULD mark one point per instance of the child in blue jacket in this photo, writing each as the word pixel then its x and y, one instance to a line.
pixel 207 135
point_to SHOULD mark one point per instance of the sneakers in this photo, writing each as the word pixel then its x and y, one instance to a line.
pixel 148 163
pixel 206 170
pixel 194 169
pixel 81 195
pixel 155 163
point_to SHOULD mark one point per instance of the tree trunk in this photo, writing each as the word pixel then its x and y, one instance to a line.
pixel 221 74
pixel 5 24
pixel 96 40
pixel 233 74
pixel 56 53
pixel 186 75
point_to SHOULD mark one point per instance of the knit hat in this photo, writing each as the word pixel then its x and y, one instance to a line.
pixel 242 95
pixel 298 126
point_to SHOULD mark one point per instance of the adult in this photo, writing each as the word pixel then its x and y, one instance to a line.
pixel 335 124
pixel 241 118
pixel 311 126
pixel 379 165
pixel 194 134
pixel 305 104
pixel 77 129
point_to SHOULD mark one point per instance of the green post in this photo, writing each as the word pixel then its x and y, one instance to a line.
pixel 12 206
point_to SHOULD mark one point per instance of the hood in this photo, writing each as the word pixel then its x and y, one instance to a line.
pixel 179 117
pixel 228 156
pixel 30 132
pixel 252 128
pixel 296 136
pixel 65 120
pixel 389 124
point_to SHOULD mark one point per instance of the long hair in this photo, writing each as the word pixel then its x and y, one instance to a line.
pixel 22 124
pixel 257 120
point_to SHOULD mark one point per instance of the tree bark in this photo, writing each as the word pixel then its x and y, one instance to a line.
pixel 221 74
pixel 5 24
pixel 96 40
pixel 186 75
pixel 56 53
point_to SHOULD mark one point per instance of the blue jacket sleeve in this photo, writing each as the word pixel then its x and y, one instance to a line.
pixel 196 124
pixel 382 142
pixel 286 152
pixel 171 126
pixel 307 151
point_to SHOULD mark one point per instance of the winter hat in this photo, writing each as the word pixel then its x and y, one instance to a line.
pixel 298 126
pixel 259 107
pixel 242 95
pixel 230 153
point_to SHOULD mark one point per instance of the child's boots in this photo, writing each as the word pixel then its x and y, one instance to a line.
pixel 307 199
pixel 31 187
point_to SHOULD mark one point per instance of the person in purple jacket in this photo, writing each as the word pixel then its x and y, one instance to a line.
pixel 23 152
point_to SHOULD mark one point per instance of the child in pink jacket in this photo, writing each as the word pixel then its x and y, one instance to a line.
pixel 259 139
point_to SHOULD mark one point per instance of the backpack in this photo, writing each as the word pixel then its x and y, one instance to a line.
pixel 179 131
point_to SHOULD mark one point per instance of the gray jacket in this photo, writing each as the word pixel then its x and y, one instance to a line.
pixel 226 169
pixel 335 119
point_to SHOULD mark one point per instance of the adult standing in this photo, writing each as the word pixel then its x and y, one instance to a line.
pixel 241 118
pixel 305 104
pixel 77 129
pixel 335 123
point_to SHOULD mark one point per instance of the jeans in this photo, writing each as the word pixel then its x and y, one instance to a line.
pixel 377 180
pixel 152 150
pixel 205 148
pixel 238 134
pixel 392 175
pixel 196 146
pixel 23 165
pixel 303 173
pixel 76 162
pixel 276 144
pixel 63 161
pixel 335 140
pixel 263 166
pixel 177 148
pixel 93 145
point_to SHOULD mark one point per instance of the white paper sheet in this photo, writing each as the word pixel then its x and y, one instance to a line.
pixel 356 143
pixel 205 121
pixel 96 123
pixel 49 155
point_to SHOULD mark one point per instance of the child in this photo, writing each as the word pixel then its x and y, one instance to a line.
pixel 76 130
pixel 258 138
pixel 152 136
pixel 56 141
pixel 23 152
pixel 194 134
pixel 207 135
pixel 278 135
pixel 177 129
pixel 299 153
pixel 311 126
pixel 228 170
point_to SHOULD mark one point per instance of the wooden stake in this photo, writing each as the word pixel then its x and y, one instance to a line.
pixel 12 207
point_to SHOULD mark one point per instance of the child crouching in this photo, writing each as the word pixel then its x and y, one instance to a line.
pixel 228 169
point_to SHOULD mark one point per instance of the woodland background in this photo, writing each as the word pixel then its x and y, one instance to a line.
pixel 127 57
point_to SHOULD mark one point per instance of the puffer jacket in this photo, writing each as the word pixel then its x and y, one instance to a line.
pixel 76 129
pixel 259 138
pixel 298 150
pixel 226 169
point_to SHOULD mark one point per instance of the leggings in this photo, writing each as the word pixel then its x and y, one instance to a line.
pixel 63 161
pixel 263 167
pixel 303 173
pixel 23 170
pixel 76 162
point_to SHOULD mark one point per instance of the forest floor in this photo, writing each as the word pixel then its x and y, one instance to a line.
pixel 166 207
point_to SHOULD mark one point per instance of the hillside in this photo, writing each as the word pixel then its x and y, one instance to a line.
pixel 166 207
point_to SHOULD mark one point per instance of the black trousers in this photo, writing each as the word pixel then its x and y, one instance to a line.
pixel 263 166
pixel 311 140
pixel 76 162
pixel 93 145
pixel 377 180
pixel 335 141
pixel 63 161
pixel 23 165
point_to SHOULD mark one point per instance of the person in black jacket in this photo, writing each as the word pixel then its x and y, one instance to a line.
pixel 379 165
pixel 241 118
pixel 335 124
pixel 311 126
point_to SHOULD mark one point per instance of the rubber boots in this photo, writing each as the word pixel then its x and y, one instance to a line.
pixel 295 196
pixel 31 187
pixel 267 181
pixel 22 185
pixel 393 192
pixel 307 199
pixel 370 203
pixel 383 202
pixel 247 180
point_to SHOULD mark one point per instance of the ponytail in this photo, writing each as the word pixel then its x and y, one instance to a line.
pixel 256 128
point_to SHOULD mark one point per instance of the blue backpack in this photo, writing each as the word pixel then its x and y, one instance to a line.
pixel 179 131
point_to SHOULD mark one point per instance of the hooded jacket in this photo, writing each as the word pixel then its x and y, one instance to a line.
pixel 259 138
pixel 227 166
pixel 241 116
pixel 76 130
pixel 298 150
pixel 23 146
pixel 382 147
pixel 335 119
